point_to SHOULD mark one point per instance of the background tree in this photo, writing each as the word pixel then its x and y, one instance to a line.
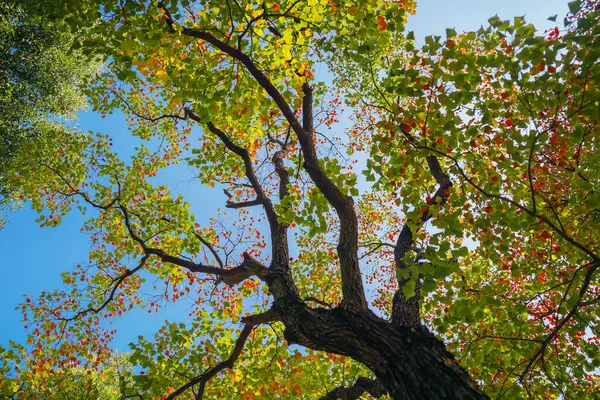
pixel 40 78
pixel 72 382
pixel 487 135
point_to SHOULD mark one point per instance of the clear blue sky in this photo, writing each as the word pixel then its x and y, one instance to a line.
pixel 33 258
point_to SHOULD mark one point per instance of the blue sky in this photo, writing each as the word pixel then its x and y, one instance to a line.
pixel 33 258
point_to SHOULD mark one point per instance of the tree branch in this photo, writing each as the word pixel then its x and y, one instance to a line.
pixel 206 376
pixel 249 168
pixel 280 169
pixel 249 266
pixel 406 312
pixel 279 244
pixel 262 318
pixel 362 385
pixel 244 204
pixel 317 300
pixel 260 77
pixel 211 248
pixel 347 248
pixel 144 117
pixel 514 203
pixel 592 267
pixel 352 287
pixel 117 282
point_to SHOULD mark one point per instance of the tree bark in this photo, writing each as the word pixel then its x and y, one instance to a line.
pixel 410 361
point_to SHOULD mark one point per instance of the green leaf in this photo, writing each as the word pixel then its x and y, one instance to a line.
pixel 574 6
pixel 408 289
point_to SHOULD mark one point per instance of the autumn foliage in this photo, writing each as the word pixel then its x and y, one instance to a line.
pixel 421 221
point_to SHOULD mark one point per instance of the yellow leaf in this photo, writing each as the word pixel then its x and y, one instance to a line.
pixel 287 52
pixel 302 69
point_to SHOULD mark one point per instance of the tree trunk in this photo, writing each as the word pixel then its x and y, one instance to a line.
pixel 409 361
pixel 424 369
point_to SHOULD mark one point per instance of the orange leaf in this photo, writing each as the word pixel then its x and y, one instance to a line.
pixel 381 22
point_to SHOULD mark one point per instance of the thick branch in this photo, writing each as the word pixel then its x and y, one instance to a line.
pixel 260 77
pixel 362 385
pixel 248 268
pixel 347 249
pixel 262 318
pixel 205 377
pixel 280 169
pixel 244 204
pixel 397 355
pixel 406 312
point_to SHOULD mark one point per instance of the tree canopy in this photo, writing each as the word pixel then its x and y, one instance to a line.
pixel 443 246
pixel 40 85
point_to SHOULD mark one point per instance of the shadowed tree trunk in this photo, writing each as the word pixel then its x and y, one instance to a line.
pixel 408 360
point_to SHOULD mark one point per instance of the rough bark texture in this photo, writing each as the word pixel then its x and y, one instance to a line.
pixel 362 385
pixel 410 362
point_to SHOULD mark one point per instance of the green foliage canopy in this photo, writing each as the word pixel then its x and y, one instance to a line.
pixel 40 85
pixel 487 135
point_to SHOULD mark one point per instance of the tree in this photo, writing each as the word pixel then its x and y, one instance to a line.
pixel 69 383
pixel 489 136
pixel 40 78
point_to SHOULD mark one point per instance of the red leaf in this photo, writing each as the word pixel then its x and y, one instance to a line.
pixel 381 22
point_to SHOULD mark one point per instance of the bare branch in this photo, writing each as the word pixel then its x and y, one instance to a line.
pixel 316 300
pixel 376 246
pixel 145 117
pixel 84 195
